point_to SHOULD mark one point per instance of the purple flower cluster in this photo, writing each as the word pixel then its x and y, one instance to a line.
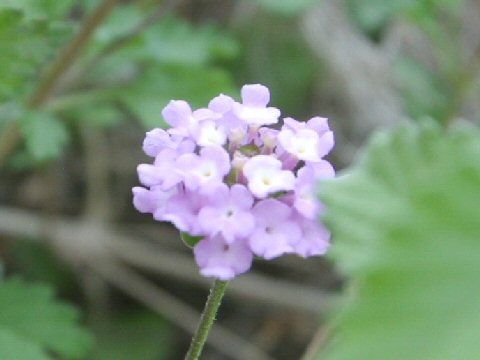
pixel 246 189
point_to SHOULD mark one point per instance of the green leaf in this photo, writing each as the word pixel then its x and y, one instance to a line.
pixel 171 40
pixel 371 15
pixel 147 96
pixel 51 9
pixel 174 40
pixel 38 263
pixel 405 225
pixel 15 347
pixel 119 22
pixel 286 7
pixel 423 93
pixel 292 75
pixel 32 323
pixel 190 240
pixel 25 45
pixel 138 335
pixel 101 115
pixel 45 135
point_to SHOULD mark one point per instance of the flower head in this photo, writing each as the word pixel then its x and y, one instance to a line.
pixel 221 174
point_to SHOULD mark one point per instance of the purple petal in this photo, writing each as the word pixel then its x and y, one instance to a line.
pixel 217 259
pixel 149 175
pixel 292 124
pixel 142 200
pixel 318 124
pixel 155 141
pixel 219 155
pixel 221 104
pixel 315 239
pixel 241 196
pixel 269 246
pixel 326 143
pixel 255 95
pixel 270 212
pixel 323 170
pixel 177 113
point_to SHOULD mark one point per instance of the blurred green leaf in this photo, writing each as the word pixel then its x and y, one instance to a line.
pixel 423 93
pixel 405 228
pixel 158 85
pixel 45 135
pixel 32 323
pixel 121 20
pixel 170 40
pixel 286 7
pixel 36 262
pixel 291 76
pixel 139 335
pixel 16 347
pixel 371 15
pixel 51 9
pixel 25 45
pixel 173 40
pixel 190 240
pixel 101 115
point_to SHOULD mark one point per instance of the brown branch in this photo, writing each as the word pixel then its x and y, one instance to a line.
pixel 11 135
pixel 359 74
pixel 98 205
pixel 78 240
pixel 252 287
pixel 67 57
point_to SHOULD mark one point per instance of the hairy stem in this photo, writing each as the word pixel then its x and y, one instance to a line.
pixel 206 320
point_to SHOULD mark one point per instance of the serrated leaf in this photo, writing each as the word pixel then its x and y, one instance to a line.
pixel 405 224
pixel 190 240
pixel 30 315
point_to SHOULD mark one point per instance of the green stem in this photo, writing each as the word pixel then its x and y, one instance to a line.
pixel 206 320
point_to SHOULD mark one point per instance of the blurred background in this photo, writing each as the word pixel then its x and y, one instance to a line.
pixel 82 80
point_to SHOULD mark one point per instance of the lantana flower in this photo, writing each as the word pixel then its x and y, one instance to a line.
pixel 238 182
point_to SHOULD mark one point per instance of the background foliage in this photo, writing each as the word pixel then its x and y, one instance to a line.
pixel 403 217
pixel 406 227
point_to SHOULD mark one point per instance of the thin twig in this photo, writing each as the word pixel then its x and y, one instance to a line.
pixel 255 286
pixel 75 236
pixel 67 57
pixel 316 344
pixel 98 205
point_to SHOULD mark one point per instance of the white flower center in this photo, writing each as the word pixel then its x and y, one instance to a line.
pixel 210 135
